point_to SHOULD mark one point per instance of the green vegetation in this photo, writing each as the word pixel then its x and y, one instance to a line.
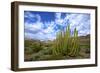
pixel 64 46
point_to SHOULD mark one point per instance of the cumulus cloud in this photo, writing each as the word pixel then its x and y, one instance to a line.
pixel 47 30
pixel 79 21
pixel 35 30
pixel 28 15
pixel 58 15
pixel 58 19
pixel 38 17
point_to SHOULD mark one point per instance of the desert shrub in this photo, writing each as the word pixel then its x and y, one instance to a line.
pixel 33 45
pixel 45 57
pixel 28 50
pixel 43 54
pixel 36 47
pixel 36 56
pixel 87 50
pixel 47 51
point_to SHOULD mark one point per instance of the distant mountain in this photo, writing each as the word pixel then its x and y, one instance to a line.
pixel 87 36
pixel 85 40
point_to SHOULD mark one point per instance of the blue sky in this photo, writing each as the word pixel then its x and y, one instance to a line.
pixel 44 25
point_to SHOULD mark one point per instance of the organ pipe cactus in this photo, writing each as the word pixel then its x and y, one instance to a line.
pixel 74 49
pixel 58 44
pixel 65 43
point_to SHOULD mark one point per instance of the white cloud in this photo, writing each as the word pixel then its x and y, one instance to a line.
pixel 48 30
pixel 58 19
pixel 41 34
pixel 38 17
pixel 32 16
pixel 33 27
pixel 29 14
pixel 48 33
pixel 80 22
pixel 58 15
pixel 28 35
